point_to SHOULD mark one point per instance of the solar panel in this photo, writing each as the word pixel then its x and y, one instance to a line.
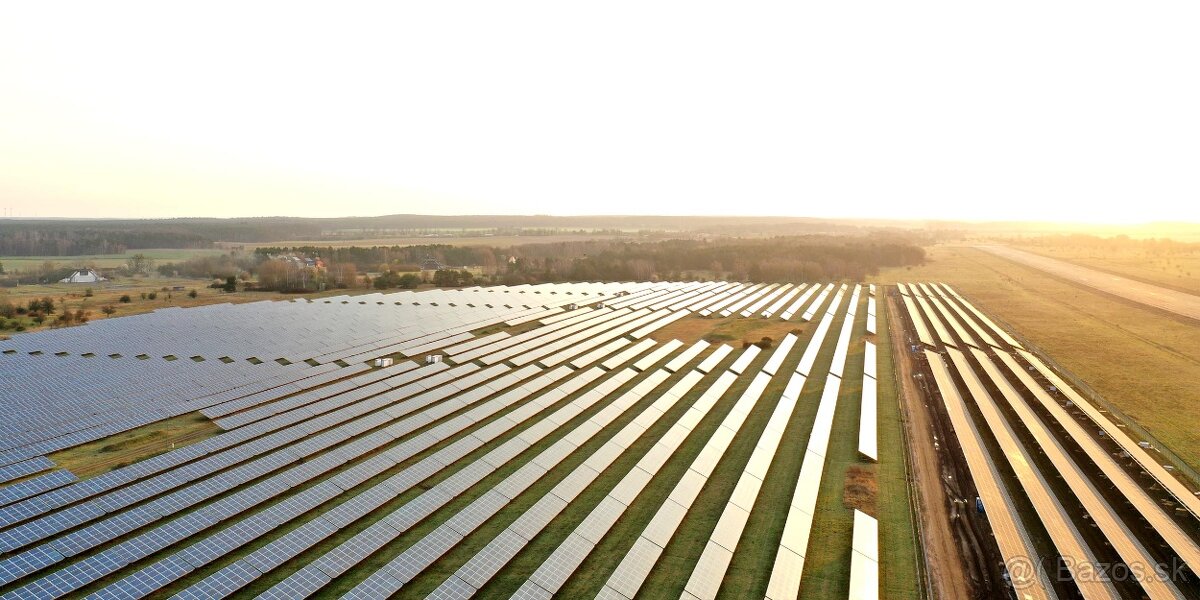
pixel 705 582
pixel 487 562
pixel 559 566
pixel 453 588
pixel 634 568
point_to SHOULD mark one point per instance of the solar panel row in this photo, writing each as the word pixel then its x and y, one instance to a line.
pixel 868 430
pixel 714 561
pixel 400 519
pixel 408 565
pixel 563 561
pixel 864 558
pixel 631 573
pixel 786 572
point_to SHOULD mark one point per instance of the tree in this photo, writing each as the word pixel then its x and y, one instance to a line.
pixel 44 305
pixel 108 309
pixel 343 274
pixel 230 284
pixel 273 275
pixel 47 269
pixel 409 281
pixel 139 264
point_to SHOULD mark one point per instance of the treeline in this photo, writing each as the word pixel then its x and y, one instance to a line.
pixel 59 239
pixel 70 237
pixel 1111 245
pixel 779 259
pixel 211 267
pixel 792 258
pixel 383 258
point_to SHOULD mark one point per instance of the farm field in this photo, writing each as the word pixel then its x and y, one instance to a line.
pixel 1172 270
pixel 1173 302
pixel 105 261
pixel 1143 363
pixel 581 414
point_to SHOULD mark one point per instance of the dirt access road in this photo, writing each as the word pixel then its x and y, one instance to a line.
pixel 1180 303
pixel 947 573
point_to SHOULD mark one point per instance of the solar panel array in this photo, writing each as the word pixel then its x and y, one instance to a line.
pixel 330 477
pixel 1051 457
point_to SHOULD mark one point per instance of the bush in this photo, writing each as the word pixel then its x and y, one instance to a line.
pixel 192 294
pixel 108 310
pixel 409 281
pixel 45 305
pixel 126 299
pixel 152 295
pixel 87 293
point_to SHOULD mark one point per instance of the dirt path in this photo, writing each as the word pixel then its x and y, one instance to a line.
pixel 1174 301
pixel 942 558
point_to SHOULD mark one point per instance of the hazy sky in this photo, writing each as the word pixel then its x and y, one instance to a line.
pixel 965 110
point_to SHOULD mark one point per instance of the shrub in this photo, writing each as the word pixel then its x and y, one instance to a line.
pixel 409 281
pixel 126 299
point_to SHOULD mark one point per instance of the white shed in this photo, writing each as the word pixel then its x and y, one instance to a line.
pixel 83 276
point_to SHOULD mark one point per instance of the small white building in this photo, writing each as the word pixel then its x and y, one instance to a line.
pixel 83 276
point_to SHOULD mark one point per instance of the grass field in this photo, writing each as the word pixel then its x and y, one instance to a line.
pixel 499 241
pixel 102 456
pixel 105 261
pixel 1179 271
pixel 1143 362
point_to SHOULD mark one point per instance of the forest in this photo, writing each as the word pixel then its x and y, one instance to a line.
pixel 74 237
pixel 785 258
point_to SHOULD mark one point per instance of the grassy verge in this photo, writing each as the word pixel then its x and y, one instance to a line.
pixel 732 330
pixel 899 576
